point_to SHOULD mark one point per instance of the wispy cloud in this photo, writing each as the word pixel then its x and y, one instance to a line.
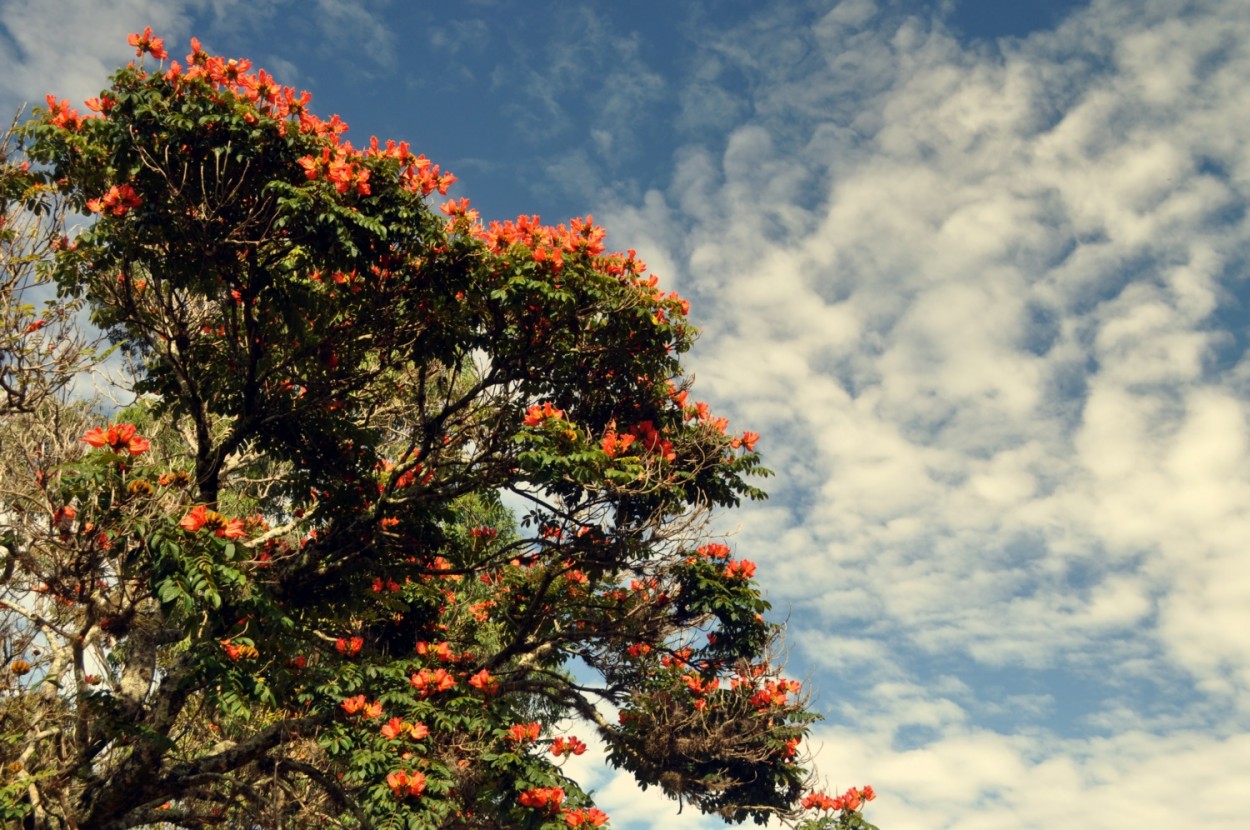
pixel 69 47
pixel 983 301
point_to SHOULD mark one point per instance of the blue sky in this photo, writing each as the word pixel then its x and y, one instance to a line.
pixel 977 271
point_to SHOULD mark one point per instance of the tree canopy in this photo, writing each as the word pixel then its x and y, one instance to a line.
pixel 401 505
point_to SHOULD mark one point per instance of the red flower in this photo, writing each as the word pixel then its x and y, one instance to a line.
pixel 742 569
pixel 429 682
pixel 549 798
pixel 614 445
pixel 63 518
pixel 35 326
pixel 523 733
pixel 146 43
pixel 535 415
pixel 589 817
pixel 653 440
pixel 239 651
pixel 440 650
pixel 63 115
pixel 567 746
pixel 393 728
pixel 483 681
pixel 198 56
pixel 350 646
pixel 404 783
pixel 119 438
pixel 201 517
pixel 747 440
pixel 117 201
pixel 352 705
pixel 713 550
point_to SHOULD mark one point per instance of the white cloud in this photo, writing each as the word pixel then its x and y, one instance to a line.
pixel 973 299
pixel 69 47
pixel 972 778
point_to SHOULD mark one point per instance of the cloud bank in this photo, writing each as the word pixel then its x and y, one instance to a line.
pixel 987 303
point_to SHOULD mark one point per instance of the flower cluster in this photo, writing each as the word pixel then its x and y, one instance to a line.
pixel 119 438
pixel 359 703
pixel 775 693
pixel 118 201
pixel 398 727
pixel 405 783
pixel 201 518
pixel 567 746
pixel 62 115
pixel 483 682
pixel 429 682
pixel 652 440
pixel 615 444
pixel 349 646
pixel 536 415
pixel 523 733
pixel 145 42
pixel 546 244
pixel 543 798
pixel 585 817
pixel 239 651
pixel 851 800
pixel 339 169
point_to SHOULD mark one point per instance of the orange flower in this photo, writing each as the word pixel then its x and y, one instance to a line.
pixel 352 705
pixel 197 57
pixel 821 801
pixel 350 646
pixel 713 550
pixel 117 201
pixel 742 569
pixel 535 415
pixel 404 783
pixel 63 518
pixel 548 798
pixel 747 440
pixel 440 650
pixel 63 115
pixel 653 440
pixel 119 438
pixel 523 733
pixel 483 681
pixel 587 817
pixel 201 517
pixel 614 445
pixel 240 651
pixel 567 746
pixel 429 682
pixel 393 728
pixel 154 46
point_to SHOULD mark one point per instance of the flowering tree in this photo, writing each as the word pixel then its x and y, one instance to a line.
pixel 285 585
